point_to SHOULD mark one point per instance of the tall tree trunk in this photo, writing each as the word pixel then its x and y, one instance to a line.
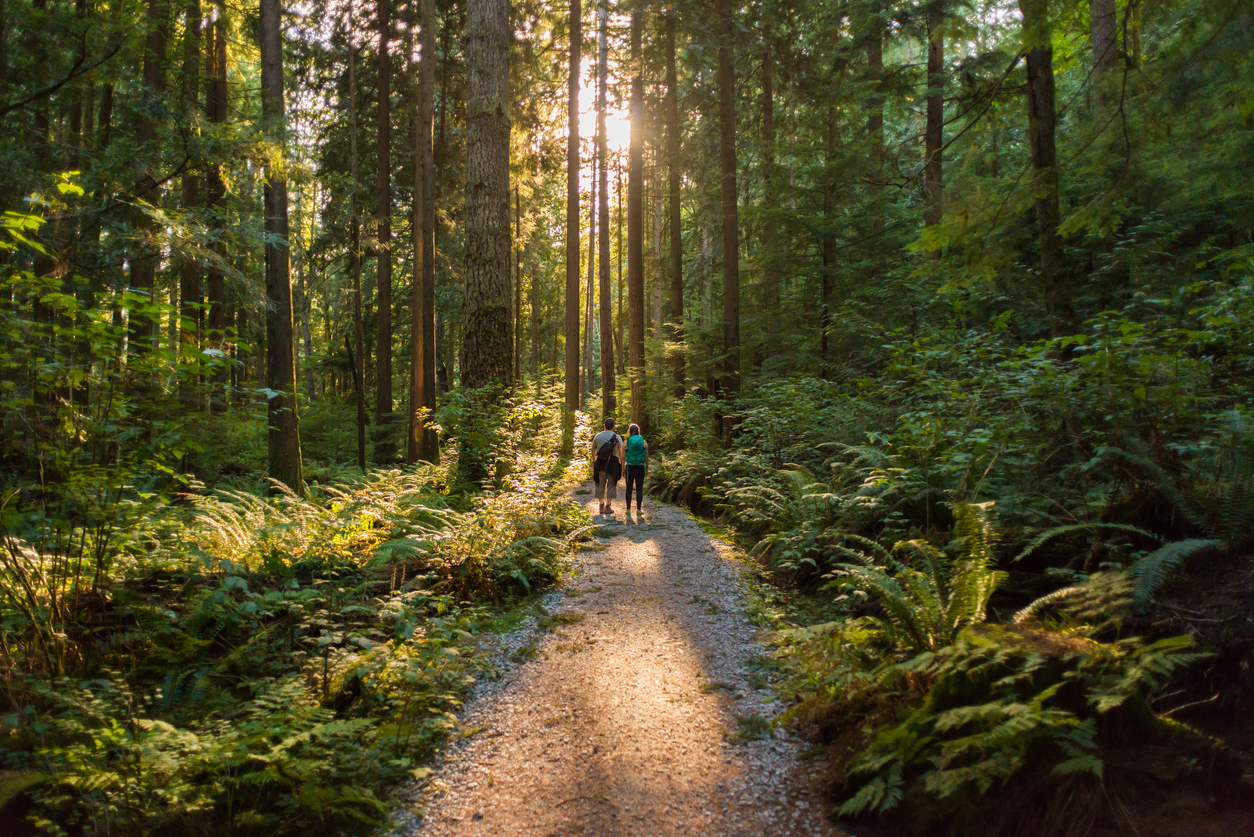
pixel 143 263
pixel 674 177
pixel 619 351
pixel 284 438
pixel 635 225
pixel 875 128
pixel 770 227
pixel 933 199
pixel 731 227
pixel 189 271
pixel 384 443
pixel 354 254
pixel 216 111
pixel 423 442
pixel 607 324
pixel 1037 41
pixel 588 373
pixel 1103 27
pixel 535 325
pixel 572 227
pixel 517 284
pixel 486 324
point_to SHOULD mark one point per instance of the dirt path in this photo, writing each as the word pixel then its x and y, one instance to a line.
pixel 638 714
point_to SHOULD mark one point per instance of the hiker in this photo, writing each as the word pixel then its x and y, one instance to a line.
pixel 607 466
pixel 637 456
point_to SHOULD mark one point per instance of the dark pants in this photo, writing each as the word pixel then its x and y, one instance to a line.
pixel 635 476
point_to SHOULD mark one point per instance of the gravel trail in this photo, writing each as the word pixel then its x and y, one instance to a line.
pixel 637 715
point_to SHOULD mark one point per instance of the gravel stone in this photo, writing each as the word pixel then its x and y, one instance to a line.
pixel 637 719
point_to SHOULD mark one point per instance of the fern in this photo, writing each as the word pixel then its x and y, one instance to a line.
pixel 1059 531
pixel 1152 571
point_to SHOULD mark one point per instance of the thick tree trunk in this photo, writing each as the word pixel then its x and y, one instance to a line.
pixel 674 177
pixel 933 198
pixel 606 309
pixel 572 227
pixel 423 442
pixel 189 271
pixel 731 226
pixel 143 263
pixel 1103 28
pixel 354 256
pixel 875 129
pixel 284 437
pixel 1041 124
pixel 216 111
pixel 635 226
pixel 770 195
pixel 384 443
pixel 486 344
pixel 619 351
pixel 588 373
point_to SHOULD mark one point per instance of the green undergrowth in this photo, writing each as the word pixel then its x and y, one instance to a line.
pixel 262 663
pixel 959 550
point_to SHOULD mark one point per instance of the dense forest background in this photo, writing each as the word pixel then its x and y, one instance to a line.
pixel 943 307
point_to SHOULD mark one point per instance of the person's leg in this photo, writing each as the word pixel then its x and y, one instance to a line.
pixel 639 488
pixel 611 493
pixel 629 481
pixel 600 491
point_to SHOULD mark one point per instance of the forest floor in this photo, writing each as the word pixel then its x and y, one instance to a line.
pixel 639 703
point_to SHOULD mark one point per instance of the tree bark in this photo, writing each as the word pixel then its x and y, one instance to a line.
pixel 517 284
pixel 619 351
pixel 674 177
pixel 284 436
pixel 1037 41
pixel 875 127
pixel 606 309
pixel 635 226
pixel 1103 29
pixel 770 196
pixel 933 198
pixel 486 324
pixel 216 111
pixel 384 443
pixel 731 227
pixel 143 263
pixel 572 228
pixel 423 442
pixel 587 384
pixel 189 271
pixel 354 254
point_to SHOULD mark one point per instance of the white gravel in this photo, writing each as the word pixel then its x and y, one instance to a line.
pixel 628 721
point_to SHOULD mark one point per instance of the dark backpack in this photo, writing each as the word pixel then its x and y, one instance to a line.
pixel 605 453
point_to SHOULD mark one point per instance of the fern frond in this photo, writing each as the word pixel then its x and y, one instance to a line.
pixel 1152 571
pixel 1059 531
pixel 1028 612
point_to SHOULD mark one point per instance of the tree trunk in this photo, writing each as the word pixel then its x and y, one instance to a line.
pixel 875 128
pixel 517 284
pixel 189 271
pixel 354 254
pixel 424 444
pixel 572 227
pixel 587 381
pixel 731 228
pixel 284 437
pixel 216 111
pixel 770 228
pixel 384 443
pixel 1103 28
pixel 143 263
pixel 486 324
pixel 674 177
pixel 619 351
pixel 933 198
pixel 635 226
pixel 607 323
pixel 1041 122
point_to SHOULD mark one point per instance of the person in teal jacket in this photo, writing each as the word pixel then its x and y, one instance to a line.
pixel 637 465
